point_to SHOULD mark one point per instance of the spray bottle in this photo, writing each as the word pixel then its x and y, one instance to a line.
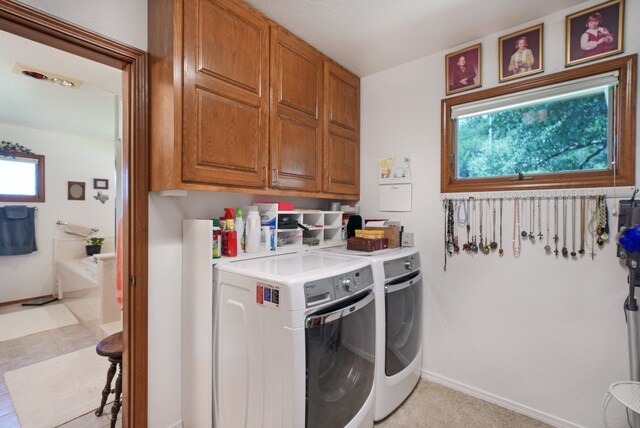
pixel 231 235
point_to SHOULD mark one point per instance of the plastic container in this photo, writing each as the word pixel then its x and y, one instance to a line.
pixel 252 231
pixel 267 238
pixel 216 239
pixel 232 240
pixel 240 230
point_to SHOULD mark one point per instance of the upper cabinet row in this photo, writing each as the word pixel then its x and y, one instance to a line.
pixel 240 104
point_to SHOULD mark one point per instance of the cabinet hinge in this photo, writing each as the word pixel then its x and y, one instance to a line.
pixel 132 281
pixel 274 175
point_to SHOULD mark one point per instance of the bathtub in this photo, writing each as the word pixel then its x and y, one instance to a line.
pixel 87 286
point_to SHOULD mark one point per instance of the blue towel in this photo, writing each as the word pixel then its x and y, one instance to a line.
pixel 17 230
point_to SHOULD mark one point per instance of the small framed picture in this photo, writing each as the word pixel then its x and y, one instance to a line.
pixel 521 53
pixel 75 190
pixel 100 183
pixel 594 33
pixel 463 69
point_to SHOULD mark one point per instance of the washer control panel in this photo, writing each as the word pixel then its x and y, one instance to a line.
pixel 337 287
pixel 402 266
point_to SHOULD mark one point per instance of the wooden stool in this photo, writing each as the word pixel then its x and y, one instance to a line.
pixel 111 347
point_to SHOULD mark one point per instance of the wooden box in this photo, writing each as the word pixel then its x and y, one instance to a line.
pixel 368 245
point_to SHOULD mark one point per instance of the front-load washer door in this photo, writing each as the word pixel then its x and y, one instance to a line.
pixel 403 312
pixel 340 345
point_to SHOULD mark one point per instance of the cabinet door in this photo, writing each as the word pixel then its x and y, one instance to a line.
pixel 226 81
pixel 342 131
pixel 296 113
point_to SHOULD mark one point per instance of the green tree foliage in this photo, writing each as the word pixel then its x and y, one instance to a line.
pixel 565 135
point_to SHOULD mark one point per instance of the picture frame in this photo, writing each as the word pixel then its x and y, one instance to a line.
pixel 468 75
pixel 100 183
pixel 75 190
pixel 594 33
pixel 521 53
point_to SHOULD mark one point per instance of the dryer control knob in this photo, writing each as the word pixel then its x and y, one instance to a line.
pixel 408 265
pixel 348 285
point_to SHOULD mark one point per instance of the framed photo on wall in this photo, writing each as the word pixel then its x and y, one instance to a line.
pixel 100 183
pixel 520 53
pixel 463 69
pixel 594 33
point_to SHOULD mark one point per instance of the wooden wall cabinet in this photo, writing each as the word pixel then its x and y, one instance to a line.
pixel 239 104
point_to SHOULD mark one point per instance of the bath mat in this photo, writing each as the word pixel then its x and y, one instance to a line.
pixel 55 391
pixel 30 321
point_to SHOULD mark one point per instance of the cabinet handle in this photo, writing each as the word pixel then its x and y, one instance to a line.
pixel 274 175
pixel 264 174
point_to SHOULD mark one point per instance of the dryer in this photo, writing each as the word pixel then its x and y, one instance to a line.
pixel 294 342
pixel 398 293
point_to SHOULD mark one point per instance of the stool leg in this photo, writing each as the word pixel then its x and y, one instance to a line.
pixel 107 388
pixel 117 402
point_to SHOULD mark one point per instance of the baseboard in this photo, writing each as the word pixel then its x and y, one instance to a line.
pixel 176 425
pixel 503 402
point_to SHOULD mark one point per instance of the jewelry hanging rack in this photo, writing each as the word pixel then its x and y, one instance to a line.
pixel 608 193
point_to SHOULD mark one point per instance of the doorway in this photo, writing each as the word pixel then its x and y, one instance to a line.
pixel 40 27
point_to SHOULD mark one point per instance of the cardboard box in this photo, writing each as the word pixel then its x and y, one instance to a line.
pixel 392 233
pixel 368 245
pixel 369 234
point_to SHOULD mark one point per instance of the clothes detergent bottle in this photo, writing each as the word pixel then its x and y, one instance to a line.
pixel 240 230
pixel 216 239
pixel 252 231
pixel 231 249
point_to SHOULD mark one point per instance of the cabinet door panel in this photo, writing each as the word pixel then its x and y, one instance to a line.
pixel 227 148
pixel 296 113
pixel 343 173
pixel 342 131
pixel 299 159
pixel 342 102
pixel 298 81
pixel 230 34
pixel 225 101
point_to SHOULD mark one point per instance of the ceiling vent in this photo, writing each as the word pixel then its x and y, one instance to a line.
pixel 46 76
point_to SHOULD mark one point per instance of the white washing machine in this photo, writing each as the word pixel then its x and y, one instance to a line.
pixel 398 292
pixel 293 342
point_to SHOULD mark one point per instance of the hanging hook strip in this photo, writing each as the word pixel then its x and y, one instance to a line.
pixel 609 193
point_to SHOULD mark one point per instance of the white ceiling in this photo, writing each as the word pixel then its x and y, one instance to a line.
pixel 367 36
pixel 88 110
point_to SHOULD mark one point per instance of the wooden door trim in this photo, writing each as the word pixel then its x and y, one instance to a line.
pixel 43 28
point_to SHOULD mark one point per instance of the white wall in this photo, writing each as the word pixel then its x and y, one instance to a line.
pixel 545 336
pixel 67 158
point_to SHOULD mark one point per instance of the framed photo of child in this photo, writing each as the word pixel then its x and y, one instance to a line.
pixel 520 53
pixel 595 32
pixel 463 69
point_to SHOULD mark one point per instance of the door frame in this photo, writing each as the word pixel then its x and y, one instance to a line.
pixel 41 27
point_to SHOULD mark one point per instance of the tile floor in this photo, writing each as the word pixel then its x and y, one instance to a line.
pixel 39 347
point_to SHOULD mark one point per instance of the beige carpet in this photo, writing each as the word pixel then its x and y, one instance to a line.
pixel 31 321
pixel 435 406
pixel 55 391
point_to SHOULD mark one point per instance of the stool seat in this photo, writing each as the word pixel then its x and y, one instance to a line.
pixel 110 346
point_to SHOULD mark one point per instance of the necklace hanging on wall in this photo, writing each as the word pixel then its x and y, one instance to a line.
pixel 481 246
pixel 582 206
pixel 456 208
pixel 556 238
pixel 494 244
pixel 573 227
pixel 532 216
pixel 603 222
pixel 516 227
pixel 523 233
pixel 593 225
pixel 487 247
pixel 474 245
pixel 467 220
pixel 445 205
pixel 565 252
pixel 540 219
pixel 500 250
pixel 450 213
pixel 547 248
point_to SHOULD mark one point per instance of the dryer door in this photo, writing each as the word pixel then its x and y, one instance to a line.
pixel 340 360
pixel 403 312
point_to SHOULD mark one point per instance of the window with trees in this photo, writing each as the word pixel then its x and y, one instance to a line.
pixel 570 129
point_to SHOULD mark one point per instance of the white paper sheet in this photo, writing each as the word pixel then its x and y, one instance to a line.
pixel 395 197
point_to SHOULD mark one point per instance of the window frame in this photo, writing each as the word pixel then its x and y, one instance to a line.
pixel 624 122
pixel 40 193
